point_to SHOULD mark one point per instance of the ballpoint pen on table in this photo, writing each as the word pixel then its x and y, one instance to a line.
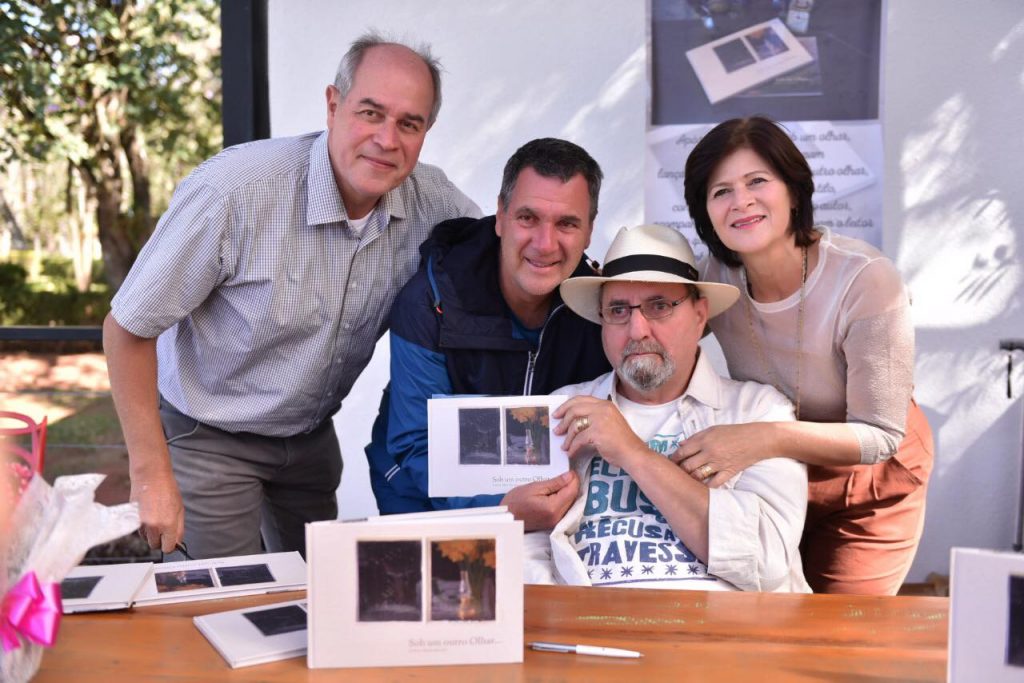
pixel 585 650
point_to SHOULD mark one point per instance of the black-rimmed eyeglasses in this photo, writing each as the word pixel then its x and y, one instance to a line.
pixel 653 309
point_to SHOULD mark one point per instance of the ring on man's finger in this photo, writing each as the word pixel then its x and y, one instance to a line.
pixel 705 471
pixel 581 423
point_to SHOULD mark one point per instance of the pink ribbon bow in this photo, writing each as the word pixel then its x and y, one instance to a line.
pixel 30 610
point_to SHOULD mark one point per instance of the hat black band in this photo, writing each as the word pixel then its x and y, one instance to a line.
pixel 630 264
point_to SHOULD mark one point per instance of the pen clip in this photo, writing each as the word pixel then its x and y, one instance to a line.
pixel 551 647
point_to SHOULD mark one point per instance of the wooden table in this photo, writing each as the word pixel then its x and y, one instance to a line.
pixel 684 635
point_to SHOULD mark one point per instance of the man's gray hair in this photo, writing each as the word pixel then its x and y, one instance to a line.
pixel 348 65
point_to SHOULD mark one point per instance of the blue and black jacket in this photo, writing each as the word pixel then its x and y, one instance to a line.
pixel 452 333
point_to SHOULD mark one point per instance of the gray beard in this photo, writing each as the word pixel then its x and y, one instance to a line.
pixel 645 374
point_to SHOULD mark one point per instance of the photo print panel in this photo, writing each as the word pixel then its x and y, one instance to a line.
pixel 240 575
pixel 480 436
pixel 488 445
pixel 734 55
pixel 277 620
pixel 183 580
pixel 528 436
pixel 1015 628
pixel 766 42
pixel 390 581
pixel 462 580
pixel 78 587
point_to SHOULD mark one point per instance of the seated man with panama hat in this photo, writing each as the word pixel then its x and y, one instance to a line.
pixel 640 519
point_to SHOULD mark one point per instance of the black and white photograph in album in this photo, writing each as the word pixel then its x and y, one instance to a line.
pixel 480 436
pixel 241 575
pixel 278 620
pixel 1015 628
pixel 390 580
pixel 78 587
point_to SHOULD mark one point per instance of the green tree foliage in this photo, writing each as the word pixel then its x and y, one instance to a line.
pixel 127 91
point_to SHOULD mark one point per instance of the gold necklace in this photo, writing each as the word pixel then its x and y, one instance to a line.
pixel 799 334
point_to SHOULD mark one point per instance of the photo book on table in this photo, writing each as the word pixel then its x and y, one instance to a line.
pixel 743 59
pixel 257 635
pixel 224 577
pixel 986 616
pixel 417 589
pixel 802 82
pixel 99 588
pixel 491 444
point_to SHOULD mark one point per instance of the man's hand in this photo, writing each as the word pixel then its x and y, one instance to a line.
pixel 131 364
pixel 591 424
pixel 541 504
pixel 160 509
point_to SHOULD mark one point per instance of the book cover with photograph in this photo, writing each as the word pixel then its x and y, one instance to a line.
pixel 746 58
pixel 98 588
pixel 986 616
pixel 257 635
pixel 224 577
pixel 424 589
pixel 491 444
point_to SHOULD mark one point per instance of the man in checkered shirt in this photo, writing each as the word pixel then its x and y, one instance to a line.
pixel 258 301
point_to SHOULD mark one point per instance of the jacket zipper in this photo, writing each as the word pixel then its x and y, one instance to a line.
pixel 531 357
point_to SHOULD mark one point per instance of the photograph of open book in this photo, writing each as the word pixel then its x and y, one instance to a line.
pixel 802 82
pixel 743 59
pixel 224 577
pixel 491 444
pixel 426 589
pixel 257 635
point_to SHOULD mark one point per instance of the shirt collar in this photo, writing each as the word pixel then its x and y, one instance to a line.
pixel 323 200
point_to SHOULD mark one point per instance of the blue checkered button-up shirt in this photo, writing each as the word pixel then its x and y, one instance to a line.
pixel 267 304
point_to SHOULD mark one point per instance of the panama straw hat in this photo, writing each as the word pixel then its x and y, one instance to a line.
pixel 645 253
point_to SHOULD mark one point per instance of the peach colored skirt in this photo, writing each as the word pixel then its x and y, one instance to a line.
pixel 864 522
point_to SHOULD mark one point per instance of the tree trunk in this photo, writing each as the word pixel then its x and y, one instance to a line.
pixel 83 234
pixel 17 236
pixel 118 254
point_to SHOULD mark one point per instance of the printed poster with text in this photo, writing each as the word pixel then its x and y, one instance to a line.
pixel 813 66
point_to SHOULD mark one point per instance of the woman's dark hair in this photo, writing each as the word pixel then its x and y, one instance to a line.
pixel 770 142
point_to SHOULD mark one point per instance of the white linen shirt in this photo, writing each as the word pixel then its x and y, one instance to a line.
pixel 755 520
pixel 267 304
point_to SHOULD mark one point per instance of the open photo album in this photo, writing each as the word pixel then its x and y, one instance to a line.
pixel 491 444
pixel 746 58
pixel 257 635
pixel 423 589
pixel 98 588
pixel 224 577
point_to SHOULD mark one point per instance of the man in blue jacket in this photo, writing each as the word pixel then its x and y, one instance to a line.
pixel 482 315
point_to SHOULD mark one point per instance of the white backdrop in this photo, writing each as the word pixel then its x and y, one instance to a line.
pixel 514 71
pixel 954 210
